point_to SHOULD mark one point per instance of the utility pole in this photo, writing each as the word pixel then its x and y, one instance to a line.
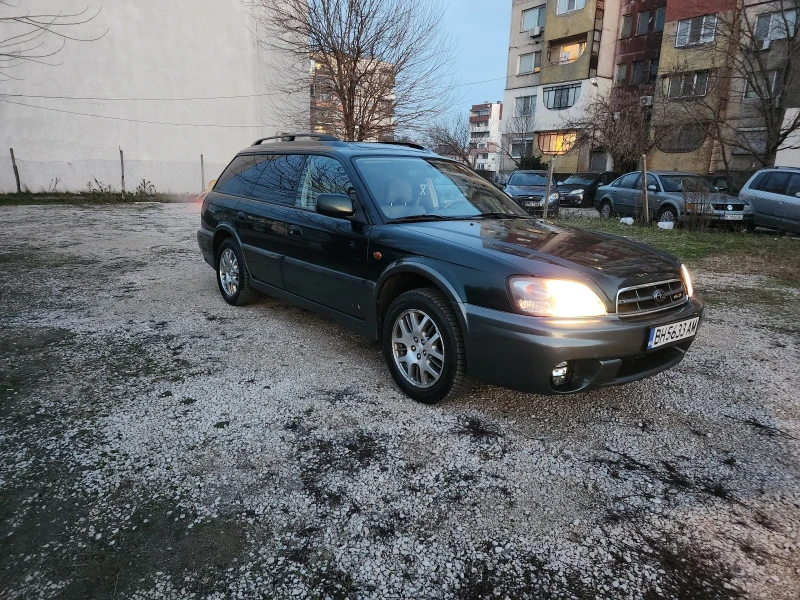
pixel 202 175
pixel 546 198
pixel 16 171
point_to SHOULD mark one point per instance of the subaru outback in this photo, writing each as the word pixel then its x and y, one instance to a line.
pixel 454 278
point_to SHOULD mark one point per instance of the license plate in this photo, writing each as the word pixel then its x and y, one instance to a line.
pixel 732 217
pixel 674 332
pixel 531 204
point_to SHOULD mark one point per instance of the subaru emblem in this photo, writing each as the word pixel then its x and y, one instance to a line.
pixel 659 296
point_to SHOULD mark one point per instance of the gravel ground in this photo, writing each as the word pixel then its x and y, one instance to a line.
pixel 157 443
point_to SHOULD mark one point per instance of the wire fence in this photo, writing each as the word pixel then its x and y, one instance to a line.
pixel 105 175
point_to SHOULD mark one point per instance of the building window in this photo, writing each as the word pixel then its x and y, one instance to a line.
pixel 561 96
pixel 659 24
pixel 484 157
pixel 683 138
pixel 557 142
pixel 483 112
pixel 530 63
pixel 752 137
pixel 565 6
pixel 622 74
pixel 533 17
pixel 644 22
pixel 653 71
pixel 526 106
pixel 777 25
pixel 640 72
pixel 698 30
pixel 688 85
pixel 522 148
pixel 569 53
pixel 769 81
pixel 625 28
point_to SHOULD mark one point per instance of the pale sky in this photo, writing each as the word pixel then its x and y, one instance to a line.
pixel 480 28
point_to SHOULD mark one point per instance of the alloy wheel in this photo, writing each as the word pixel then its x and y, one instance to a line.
pixel 418 348
pixel 229 272
pixel 667 216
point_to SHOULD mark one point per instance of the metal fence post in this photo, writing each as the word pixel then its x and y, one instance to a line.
pixel 202 175
pixel 546 198
pixel 122 169
pixel 644 190
pixel 16 171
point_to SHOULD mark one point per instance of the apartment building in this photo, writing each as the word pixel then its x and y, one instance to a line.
pixel 561 52
pixel 484 136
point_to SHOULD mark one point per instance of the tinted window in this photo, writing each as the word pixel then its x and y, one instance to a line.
pixel 775 182
pixel 525 179
pixel 241 175
pixel 581 178
pixel 627 181
pixel 651 180
pixel 758 181
pixel 278 179
pixel 322 175
pixel 794 185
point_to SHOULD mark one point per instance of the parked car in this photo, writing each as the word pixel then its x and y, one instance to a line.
pixel 672 196
pixel 527 188
pixel 775 196
pixel 579 189
pixel 723 183
pixel 456 281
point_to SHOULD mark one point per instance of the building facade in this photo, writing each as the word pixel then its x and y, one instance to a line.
pixel 561 53
pixel 484 136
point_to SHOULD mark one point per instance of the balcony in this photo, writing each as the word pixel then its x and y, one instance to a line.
pixel 481 119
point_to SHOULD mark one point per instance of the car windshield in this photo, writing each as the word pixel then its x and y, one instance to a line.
pixel 685 183
pixel 526 179
pixel 580 179
pixel 406 187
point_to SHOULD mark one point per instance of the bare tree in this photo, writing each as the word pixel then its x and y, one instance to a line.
pixel 36 38
pixel 620 125
pixel 517 139
pixel 450 137
pixel 740 99
pixel 377 66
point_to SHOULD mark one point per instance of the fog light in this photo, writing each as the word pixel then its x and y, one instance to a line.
pixel 560 375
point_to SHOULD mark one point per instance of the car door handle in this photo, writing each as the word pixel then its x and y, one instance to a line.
pixel 295 231
pixel 240 216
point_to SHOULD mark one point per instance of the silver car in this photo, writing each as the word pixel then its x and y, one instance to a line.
pixel 672 196
pixel 775 196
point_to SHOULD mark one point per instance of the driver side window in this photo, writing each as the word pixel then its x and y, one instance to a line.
pixel 322 175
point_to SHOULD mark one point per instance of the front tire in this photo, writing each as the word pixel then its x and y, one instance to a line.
pixel 667 215
pixel 424 347
pixel 232 276
pixel 606 211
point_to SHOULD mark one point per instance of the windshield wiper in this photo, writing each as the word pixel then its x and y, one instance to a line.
pixel 501 215
pixel 413 218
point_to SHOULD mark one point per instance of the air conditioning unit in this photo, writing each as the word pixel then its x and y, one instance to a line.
pixel 646 101
pixel 536 31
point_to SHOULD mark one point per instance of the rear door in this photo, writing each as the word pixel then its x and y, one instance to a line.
pixel 326 257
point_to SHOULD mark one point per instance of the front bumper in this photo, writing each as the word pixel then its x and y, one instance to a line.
pixel 520 352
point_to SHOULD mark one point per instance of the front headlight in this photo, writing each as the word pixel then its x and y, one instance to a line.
pixel 576 192
pixel 554 298
pixel 553 197
pixel 687 281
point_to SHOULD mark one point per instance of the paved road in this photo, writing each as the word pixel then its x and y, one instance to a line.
pixel 157 443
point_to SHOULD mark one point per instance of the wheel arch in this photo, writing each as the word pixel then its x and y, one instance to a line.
pixel 223 232
pixel 404 276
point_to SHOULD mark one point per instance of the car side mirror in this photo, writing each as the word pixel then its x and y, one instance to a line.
pixel 652 187
pixel 339 206
pixel 797 194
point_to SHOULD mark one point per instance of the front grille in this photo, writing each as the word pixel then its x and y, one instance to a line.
pixel 650 298
pixel 724 206
pixel 529 198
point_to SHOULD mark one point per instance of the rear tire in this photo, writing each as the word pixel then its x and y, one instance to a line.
pixel 232 276
pixel 424 347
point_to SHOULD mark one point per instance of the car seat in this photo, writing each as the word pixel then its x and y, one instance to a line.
pixel 398 200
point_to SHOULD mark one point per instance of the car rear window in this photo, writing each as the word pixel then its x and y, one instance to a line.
pixel 269 177
pixel 793 189
pixel 526 179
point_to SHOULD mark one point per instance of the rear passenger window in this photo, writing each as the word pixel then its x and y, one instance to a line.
pixel 794 186
pixel 241 175
pixel 322 175
pixel 775 182
pixel 278 179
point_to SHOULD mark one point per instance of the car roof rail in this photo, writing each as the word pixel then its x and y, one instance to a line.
pixel 290 137
pixel 409 144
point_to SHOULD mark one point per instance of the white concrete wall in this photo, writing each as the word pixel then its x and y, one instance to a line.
pixel 152 49
pixel 789 157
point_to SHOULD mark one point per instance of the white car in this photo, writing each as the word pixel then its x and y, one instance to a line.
pixel 774 194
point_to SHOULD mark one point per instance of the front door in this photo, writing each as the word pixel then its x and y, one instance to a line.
pixel 326 257
pixel 625 194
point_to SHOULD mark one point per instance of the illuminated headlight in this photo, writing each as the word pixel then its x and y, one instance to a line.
pixel 554 298
pixel 575 193
pixel 687 281
pixel 553 197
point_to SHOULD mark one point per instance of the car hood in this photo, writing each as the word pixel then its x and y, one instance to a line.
pixel 525 190
pixel 609 261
